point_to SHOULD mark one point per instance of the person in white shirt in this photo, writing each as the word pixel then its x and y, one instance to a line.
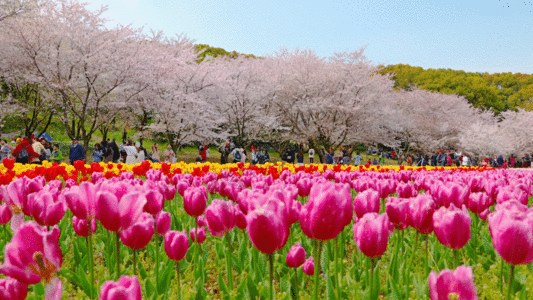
pixel 465 161
pixel 243 156
pixel 140 153
pixel 131 153
pixel 311 155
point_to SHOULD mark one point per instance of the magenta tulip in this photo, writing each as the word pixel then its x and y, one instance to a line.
pixel 201 235
pixel 154 202
pixel 385 188
pixel 366 202
pixel 45 208
pixel 452 226
pixel 371 234
pixel 451 192
pixel 296 256
pixel 176 245
pixel 294 213
pixel 268 225
pixel 309 266
pixel 201 222
pixel 511 192
pixel 398 211
pixel 117 215
pixel 12 289
pixel 5 214
pixel 240 218
pixel 478 202
pixel 33 254
pixel 421 209
pixel 485 214
pixel 162 221
pixel 126 288
pixel 81 200
pixel 459 282
pixel 304 187
pixel 511 228
pixel 81 226
pixel 139 234
pixel 195 200
pixel 327 211
pixel 220 216
pixel 406 190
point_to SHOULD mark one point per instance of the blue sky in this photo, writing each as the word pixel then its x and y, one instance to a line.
pixel 471 35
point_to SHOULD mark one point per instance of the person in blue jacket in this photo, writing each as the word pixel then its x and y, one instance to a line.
pixel 329 158
pixel 76 151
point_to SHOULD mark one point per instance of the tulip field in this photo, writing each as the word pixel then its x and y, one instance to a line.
pixel 237 231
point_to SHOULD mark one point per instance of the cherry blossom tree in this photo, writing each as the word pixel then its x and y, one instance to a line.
pixel 90 71
pixel 12 8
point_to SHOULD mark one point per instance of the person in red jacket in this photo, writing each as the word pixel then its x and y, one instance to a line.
pixel 23 153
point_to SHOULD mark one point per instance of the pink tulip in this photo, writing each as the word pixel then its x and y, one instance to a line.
pixel 452 226
pixel 459 282
pixel 117 215
pixel 477 184
pixel 45 208
pixel 220 216
pixel 485 214
pixel 195 200
pixel 398 211
pixel 421 209
pixel 296 256
pixel 154 202
pixel 81 226
pixel 12 289
pixel 81 200
pixel 240 218
pixel 126 288
pixel 452 193
pixel 162 221
pixel 182 186
pixel 511 228
pixel 139 234
pixel 201 235
pixel 268 225
pixel 168 191
pixel 309 266
pixel 327 211
pixel 201 222
pixel 5 214
pixel 33 255
pixel 511 192
pixel 176 245
pixel 371 234
pixel 366 202
pixel 294 213
pixel 478 202
pixel 385 188
pixel 304 187
pixel 406 190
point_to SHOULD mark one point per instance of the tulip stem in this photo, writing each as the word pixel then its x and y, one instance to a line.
pixel 511 276
pixel 337 273
pixel 118 254
pixel 318 249
pixel 501 276
pixel 157 245
pixel 408 270
pixel 229 270
pixel 91 261
pixel 296 286
pixel 271 261
pixel 427 256
pixel 456 257
pixel 134 262
pixel 178 274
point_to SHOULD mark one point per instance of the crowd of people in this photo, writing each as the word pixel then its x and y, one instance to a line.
pixel 35 150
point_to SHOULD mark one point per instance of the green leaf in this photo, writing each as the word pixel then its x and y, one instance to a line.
pixel 253 293
pixel 149 287
pixel 39 289
pixel 222 286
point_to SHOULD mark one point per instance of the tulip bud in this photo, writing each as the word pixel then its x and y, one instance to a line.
pixel 309 266
pixel 220 216
pixel 296 256
pixel 139 234
pixel 421 209
pixel 366 202
pixel 195 200
pixel 162 221
pixel 81 226
pixel 371 234
pixel 201 235
pixel 12 289
pixel 176 245
pixel 452 226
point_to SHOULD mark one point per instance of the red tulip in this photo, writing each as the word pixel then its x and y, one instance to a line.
pixel 12 289
pixel 452 226
pixel 201 235
pixel 220 216
pixel 195 200
pixel 459 282
pixel 421 209
pixel 296 256
pixel 309 266
pixel 371 234
pixel 9 163
pixel 327 211
pixel 139 234
pixel 162 221
pixel 126 288
pixel 176 245
pixel 366 202
pixel 81 226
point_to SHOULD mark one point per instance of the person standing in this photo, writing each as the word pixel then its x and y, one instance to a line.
pixel 357 159
pixel 156 157
pixel 97 153
pixel 4 150
pixel 57 155
pixel 500 161
pixel 39 149
pixel 465 161
pixel 300 156
pixel 131 153
pixel 311 155
pixel 169 154
pixel 140 157
pixel 329 158
pixel 76 151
